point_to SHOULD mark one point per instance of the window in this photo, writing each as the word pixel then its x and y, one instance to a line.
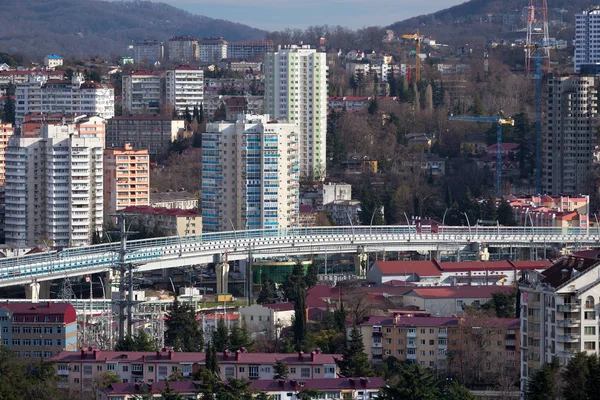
pixel 422 331
pixel 388 330
pixel 137 368
pixel 125 368
pixel 111 367
pixel 400 352
pixel 317 370
pixel 400 341
pixel 589 315
pixel 150 368
pixel 422 341
pixel 174 368
pixel 229 372
pixel 432 331
pixel 388 341
pixel 304 372
pixel 330 370
pixel 186 369
pixel 589 302
pixel 243 369
pixel 589 345
pixel 76 368
pixel 162 370
pixel 292 370
pixel 431 342
pixel 253 372
pixel 422 352
pixel 87 370
pixel 15 329
pixel 98 368
pixel 589 330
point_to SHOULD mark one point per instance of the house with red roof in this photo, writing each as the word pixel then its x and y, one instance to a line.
pixel 423 272
pixel 337 388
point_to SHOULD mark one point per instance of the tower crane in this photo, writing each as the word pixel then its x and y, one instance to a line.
pixel 539 55
pixel 499 121
pixel 416 36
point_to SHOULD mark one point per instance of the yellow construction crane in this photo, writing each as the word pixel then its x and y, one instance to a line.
pixel 416 37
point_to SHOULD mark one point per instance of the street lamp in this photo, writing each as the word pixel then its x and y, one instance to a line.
pixel 234 233
pixel 597 225
pixel 372 217
pixel 408 224
pixel 444 220
pixel 469 224
pixel 351 225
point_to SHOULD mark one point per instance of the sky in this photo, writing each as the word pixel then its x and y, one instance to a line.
pixel 279 14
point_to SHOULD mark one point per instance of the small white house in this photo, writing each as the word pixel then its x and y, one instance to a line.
pixel 267 319
pixel 52 61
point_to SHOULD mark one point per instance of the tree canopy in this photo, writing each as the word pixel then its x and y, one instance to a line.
pixel 182 331
pixel 355 362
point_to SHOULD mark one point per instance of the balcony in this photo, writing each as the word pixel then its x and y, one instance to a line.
pixel 442 346
pixel 568 323
pixel 376 344
pixel 443 334
pixel 569 338
pixel 411 345
pixel 411 356
pixel 568 353
pixel 569 307
pixel 411 334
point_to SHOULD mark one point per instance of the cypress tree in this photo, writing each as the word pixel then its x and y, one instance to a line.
pixel 355 362
pixel 299 327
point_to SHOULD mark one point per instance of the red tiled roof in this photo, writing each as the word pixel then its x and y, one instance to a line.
pixel 160 211
pixel 38 308
pixel 421 268
pixel 275 385
pixel 459 291
pixel 280 306
pixel 541 264
pixel 476 266
pixel 305 209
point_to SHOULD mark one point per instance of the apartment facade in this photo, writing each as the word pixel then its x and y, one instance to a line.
pixel 167 221
pixel 249 50
pixel 148 50
pixel 144 131
pixel 457 345
pixel 52 61
pixel 143 92
pixel 126 178
pixel 296 91
pixel 75 96
pixel 249 174
pixel 212 49
pixel 364 388
pixel 77 369
pixel 38 330
pixel 559 312
pixel 183 49
pixel 54 189
pixel 184 88
pixel 587 49
pixel 6 131
pixel 570 137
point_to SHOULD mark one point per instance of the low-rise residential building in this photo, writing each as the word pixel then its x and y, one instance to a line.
pixel 52 61
pixel 473 347
pixel 558 211
pixel 365 388
pixel 267 319
pixel 38 330
pixel 559 311
pixel 126 178
pixel 344 212
pixel 144 131
pixel 332 191
pixel 165 221
pixel 307 215
pixel 133 391
pixel 212 49
pixel 77 369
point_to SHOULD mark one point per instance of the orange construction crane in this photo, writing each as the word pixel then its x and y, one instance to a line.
pixel 416 37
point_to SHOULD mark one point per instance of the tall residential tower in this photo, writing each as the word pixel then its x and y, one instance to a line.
pixel 249 174
pixel 296 91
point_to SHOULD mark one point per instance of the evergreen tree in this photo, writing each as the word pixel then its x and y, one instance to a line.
pixel 9 105
pixel 373 106
pixel 182 331
pixel 543 383
pixel 239 337
pixel 412 382
pixel 186 115
pixel 489 211
pixel 312 275
pixel 169 393
pixel 195 115
pixel 478 109
pixel 575 377
pixel 220 336
pixel 299 327
pixel 220 113
pixel 355 362
pixel 201 113
pixel 505 214
pixel 268 293
pixel 456 391
pixel 293 282
pixel 212 361
pixel 280 370
pixel 140 342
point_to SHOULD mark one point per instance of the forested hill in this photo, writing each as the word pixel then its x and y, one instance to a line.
pixel 78 27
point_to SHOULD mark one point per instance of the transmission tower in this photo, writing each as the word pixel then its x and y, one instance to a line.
pixel 123 268
pixel 537 34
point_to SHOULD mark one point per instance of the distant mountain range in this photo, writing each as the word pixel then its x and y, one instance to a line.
pixel 84 27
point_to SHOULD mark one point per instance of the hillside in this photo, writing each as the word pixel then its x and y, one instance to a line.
pixel 473 20
pixel 78 27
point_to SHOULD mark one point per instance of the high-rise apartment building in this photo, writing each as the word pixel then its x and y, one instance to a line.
pixel 183 49
pixel 587 46
pixel 184 87
pixel 148 50
pixel 144 131
pixel 570 137
pixel 296 91
pixel 54 188
pixel 143 92
pixel 249 174
pixel 559 312
pixel 75 96
pixel 126 178
pixel 212 49
pixel 249 50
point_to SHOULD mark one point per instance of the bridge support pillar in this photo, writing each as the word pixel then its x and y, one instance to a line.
pixel 109 279
pixel 37 290
pixel 361 261
pixel 222 271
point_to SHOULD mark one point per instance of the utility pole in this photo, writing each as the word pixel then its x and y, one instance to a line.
pixel 249 274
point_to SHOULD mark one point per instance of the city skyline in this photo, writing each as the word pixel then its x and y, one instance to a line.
pixel 276 15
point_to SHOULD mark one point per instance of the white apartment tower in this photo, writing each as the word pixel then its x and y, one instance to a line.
pixel 570 136
pixel 75 96
pixel 249 174
pixel 587 33
pixel 296 91
pixel 143 92
pixel 54 188
pixel 148 50
pixel 212 49
pixel 184 88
